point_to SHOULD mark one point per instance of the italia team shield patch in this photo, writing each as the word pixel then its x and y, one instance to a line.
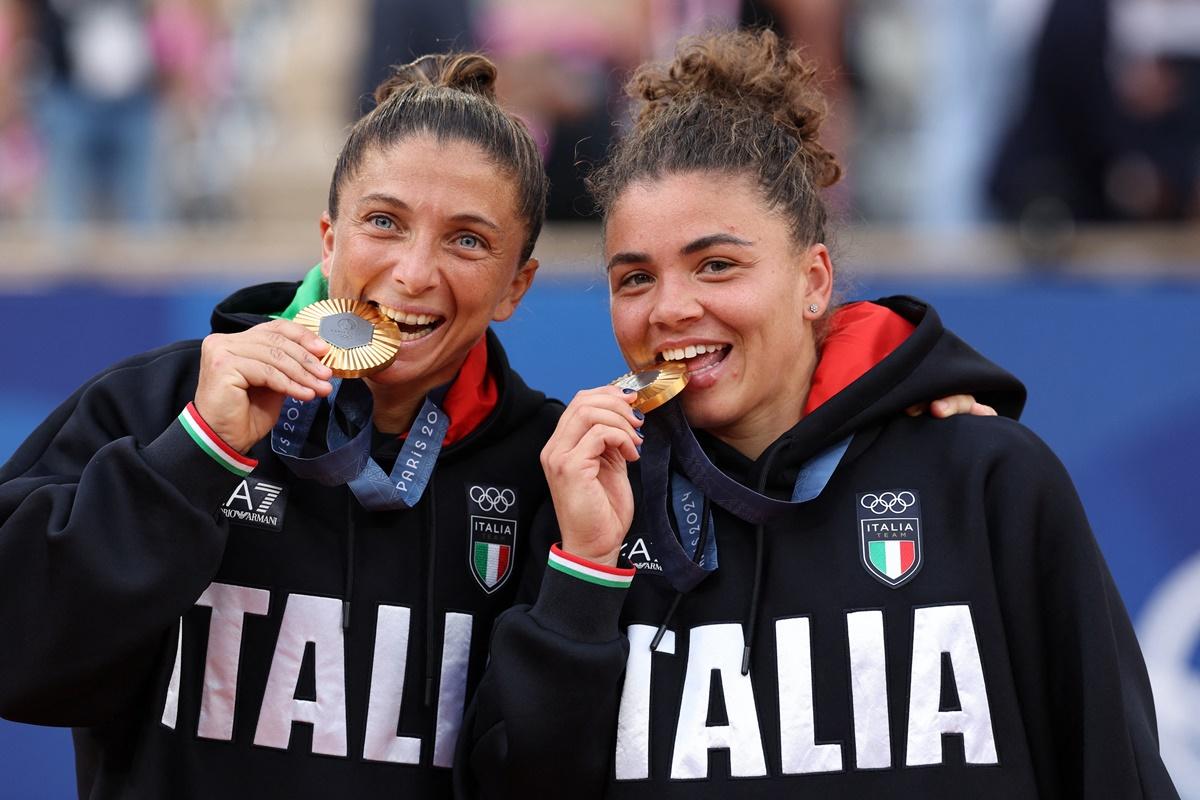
pixel 889 529
pixel 493 534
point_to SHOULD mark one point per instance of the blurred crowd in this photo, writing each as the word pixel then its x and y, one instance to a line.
pixel 946 113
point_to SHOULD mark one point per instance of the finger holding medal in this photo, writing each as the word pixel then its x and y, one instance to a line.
pixel 244 378
pixel 586 467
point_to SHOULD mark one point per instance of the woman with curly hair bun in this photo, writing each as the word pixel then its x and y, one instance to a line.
pixel 779 584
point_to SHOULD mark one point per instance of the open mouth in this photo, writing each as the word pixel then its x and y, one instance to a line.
pixel 412 326
pixel 698 358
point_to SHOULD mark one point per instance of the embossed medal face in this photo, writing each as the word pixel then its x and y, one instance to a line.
pixel 361 340
pixel 654 385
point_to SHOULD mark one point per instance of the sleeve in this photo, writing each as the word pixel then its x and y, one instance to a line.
pixel 109 531
pixel 1082 682
pixel 544 717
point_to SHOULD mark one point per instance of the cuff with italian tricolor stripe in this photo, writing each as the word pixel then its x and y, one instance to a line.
pixel 590 571
pixel 212 444
pixel 580 599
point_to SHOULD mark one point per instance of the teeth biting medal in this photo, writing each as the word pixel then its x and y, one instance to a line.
pixel 362 341
pixel 654 385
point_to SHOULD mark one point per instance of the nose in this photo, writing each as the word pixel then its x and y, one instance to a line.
pixel 675 301
pixel 416 270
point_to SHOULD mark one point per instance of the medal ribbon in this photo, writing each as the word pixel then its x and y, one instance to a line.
pixel 348 459
pixel 701 476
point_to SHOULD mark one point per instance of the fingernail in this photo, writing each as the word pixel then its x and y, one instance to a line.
pixel 638 414
pixel 627 390
pixel 638 447
pixel 639 432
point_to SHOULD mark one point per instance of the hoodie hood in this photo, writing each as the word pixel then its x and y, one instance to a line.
pixel 882 357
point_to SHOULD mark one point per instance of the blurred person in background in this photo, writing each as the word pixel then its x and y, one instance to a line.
pixel 191 45
pixel 557 60
pixel 398 31
pixel 1109 128
pixel 97 96
pixel 21 161
pixel 898 607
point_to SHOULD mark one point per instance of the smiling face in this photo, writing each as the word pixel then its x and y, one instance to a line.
pixel 430 231
pixel 701 269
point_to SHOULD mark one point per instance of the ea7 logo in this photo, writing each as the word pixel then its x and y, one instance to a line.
pixel 258 503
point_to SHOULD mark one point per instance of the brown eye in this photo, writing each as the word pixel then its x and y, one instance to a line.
pixel 717 266
pixel 634 279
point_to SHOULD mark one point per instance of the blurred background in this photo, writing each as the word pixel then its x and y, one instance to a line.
pixel 1031 167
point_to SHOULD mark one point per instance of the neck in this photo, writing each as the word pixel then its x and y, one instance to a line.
pixel 753 433
pixel 394 411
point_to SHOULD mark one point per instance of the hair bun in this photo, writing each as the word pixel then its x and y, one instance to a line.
pixel 744 70
pixel 467 72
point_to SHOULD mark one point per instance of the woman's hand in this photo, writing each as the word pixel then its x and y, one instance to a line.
pixel 952 406
pixel 586 466
pixel 245 376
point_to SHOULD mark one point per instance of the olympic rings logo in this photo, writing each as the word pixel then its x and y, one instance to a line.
pixel 892 502
pixel 489 498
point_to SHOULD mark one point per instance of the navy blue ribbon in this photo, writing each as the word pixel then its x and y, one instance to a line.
pixel 348 456
pixel 671 442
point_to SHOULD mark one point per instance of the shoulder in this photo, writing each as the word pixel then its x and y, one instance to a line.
pixel 151 371
pixel 997 456
pixel 997 439
pixel 139 392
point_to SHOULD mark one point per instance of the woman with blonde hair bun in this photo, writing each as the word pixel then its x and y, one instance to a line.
pixel 779 584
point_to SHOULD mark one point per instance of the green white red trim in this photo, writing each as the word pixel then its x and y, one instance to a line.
pixel 212 444
pixel 584 570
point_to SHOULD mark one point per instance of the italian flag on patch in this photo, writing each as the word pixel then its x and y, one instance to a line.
pixel 491 562
pixel 893 558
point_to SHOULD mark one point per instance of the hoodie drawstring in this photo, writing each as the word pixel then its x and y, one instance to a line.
pixel 430 583
pixel 759 555
pixel 348 581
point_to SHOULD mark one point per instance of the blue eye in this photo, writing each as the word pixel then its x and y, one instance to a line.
pixel 382 222
pixel 470 240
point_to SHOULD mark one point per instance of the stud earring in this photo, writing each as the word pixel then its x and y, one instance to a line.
pixel 813 308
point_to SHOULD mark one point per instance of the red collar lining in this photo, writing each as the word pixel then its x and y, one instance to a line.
pixel 860 336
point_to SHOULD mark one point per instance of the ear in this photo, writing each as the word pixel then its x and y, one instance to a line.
pixel 326 243
pixel 516 290
pixel 818 281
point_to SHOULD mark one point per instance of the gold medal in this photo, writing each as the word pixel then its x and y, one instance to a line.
pixel 362 341
pixel 654 385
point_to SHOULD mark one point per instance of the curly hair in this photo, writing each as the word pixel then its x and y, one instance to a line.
pixel 730 102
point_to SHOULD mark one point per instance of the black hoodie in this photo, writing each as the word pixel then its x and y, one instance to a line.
pixel 936 622
pixel 211 635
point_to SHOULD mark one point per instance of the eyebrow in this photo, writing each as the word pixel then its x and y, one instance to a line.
pixel 705 242
pixel 688 249
pixel 396 202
